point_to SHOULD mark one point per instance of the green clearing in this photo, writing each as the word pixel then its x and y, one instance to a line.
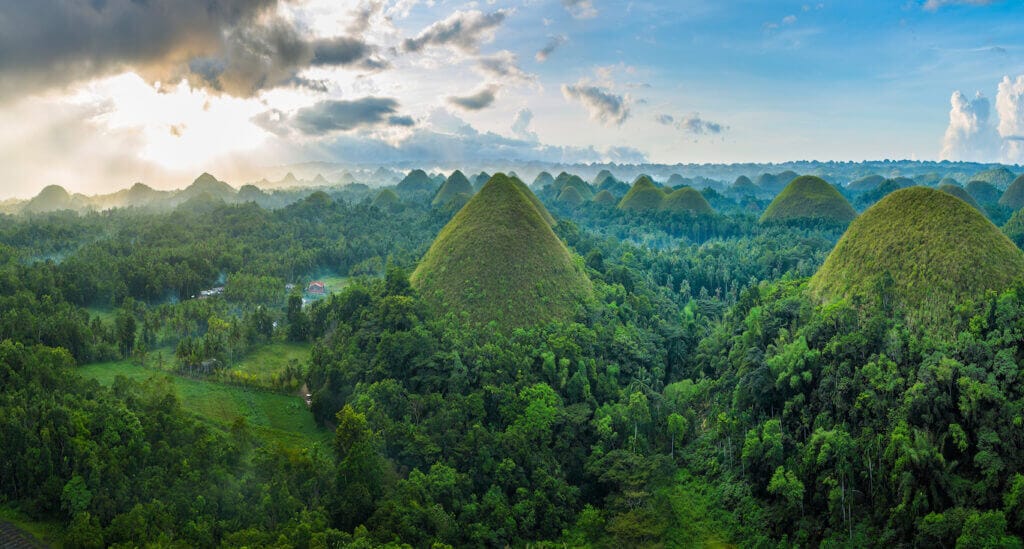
pixel 107 316
pixel 334 283
pixel 270 359
pixel 274 418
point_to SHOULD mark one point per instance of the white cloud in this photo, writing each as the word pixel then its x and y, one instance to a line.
pixel 970 134
pixel 603 105
pixel 1010 107
pixel 521 125
pixel 580 9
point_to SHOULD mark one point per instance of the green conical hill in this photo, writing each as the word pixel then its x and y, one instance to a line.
pixel 999 176
pixel 604 197
pixel 865 184
pixel 455 184
pixel 922 249
pixel 743 186
pixel 983 191
pixel 51 198
pixel 1013 196
pixel 644 195
pixel 498 261
pixel 602 178
pixel 959 192
pixel 686 199
pixel 387 199
pixel 809 198
pixel 571 196
pixel 542 180
pixel 416 181
pixel 544 213
pixel 480 180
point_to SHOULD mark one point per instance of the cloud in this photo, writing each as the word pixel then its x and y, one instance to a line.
pixel 464 30
pixel 789 20
pixel 521 125
pixel 580 9
pixel 334 115
pixel 970 135
pixel 692 123
pixel 1010 107
pixel 933 5
pixel 603 105
pixel 553 44
pixel 477 101
pixel 235 46
pixel 503 64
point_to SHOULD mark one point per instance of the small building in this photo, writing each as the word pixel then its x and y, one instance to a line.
pixel 316 288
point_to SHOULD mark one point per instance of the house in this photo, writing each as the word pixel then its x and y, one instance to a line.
pixel 316 288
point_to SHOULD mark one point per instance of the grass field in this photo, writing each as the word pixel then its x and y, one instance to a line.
pixel 334 283
pixel 273 417
pixel 107 316
pixel 270 359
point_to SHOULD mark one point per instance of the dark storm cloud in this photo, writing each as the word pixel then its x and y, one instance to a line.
pixel 463 29
pixel 477 101
pixel 236 46
pixel 335 115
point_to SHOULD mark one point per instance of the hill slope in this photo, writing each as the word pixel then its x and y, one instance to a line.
pixel 686 199
pixel 498 260
pixel 456 184
pixel 959 192
pixel 809 198
pixel 1013 197
pixel 935 249
pixel 644 195
pixel 544 213
pixel 604 197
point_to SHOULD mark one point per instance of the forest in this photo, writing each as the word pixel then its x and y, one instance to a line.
pixel 710 368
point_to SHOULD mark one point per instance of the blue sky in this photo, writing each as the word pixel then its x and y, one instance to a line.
pixel 96 95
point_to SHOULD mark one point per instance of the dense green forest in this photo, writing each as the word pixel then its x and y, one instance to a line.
pixel 699 392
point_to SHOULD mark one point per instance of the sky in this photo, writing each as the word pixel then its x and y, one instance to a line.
pixel 98 94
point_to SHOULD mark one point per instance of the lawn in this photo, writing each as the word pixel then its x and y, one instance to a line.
pixel 334 283
pixel 273 417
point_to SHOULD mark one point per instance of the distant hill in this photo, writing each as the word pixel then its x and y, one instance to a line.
pixel 567 180
pixel 675 181
pixel 498 261
pixel 480 180
pixel 416 181
pixel 809 198
pixel 52 198
pixel 1013 196
pixel 922 249
pixel 643 196
pixel 542 180
pixel 777 182
pixel 865 184
pixel 457 183
pixel 208 185
pixel 387 199
pixel 605 197
pixel 959 192
pixel 983 191
pixel 686 199
pixel 1000 176
pixel 571 196
pixel 603 178
pixel 743 186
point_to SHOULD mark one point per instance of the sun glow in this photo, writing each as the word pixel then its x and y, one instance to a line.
pixel 181 127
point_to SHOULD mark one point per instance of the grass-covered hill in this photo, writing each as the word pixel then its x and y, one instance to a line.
pixel 456 184
pixel 542 180
pixel 644 195
pixel 544 213
pixel 1013 196
pixel 921 250
pixel 983 191
pixel 686 199
pixel 498 261
pixel 775 183
pixel 603 179
pixel 480 180
pixel 999 176
pixel 605 197
pixel 571 196
pixel 387 199
pixel 865 184
pixel 743 186
pixel 959 192
pixel 51 198
pixel 809 198
pixel 416 181
pixel 569 180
